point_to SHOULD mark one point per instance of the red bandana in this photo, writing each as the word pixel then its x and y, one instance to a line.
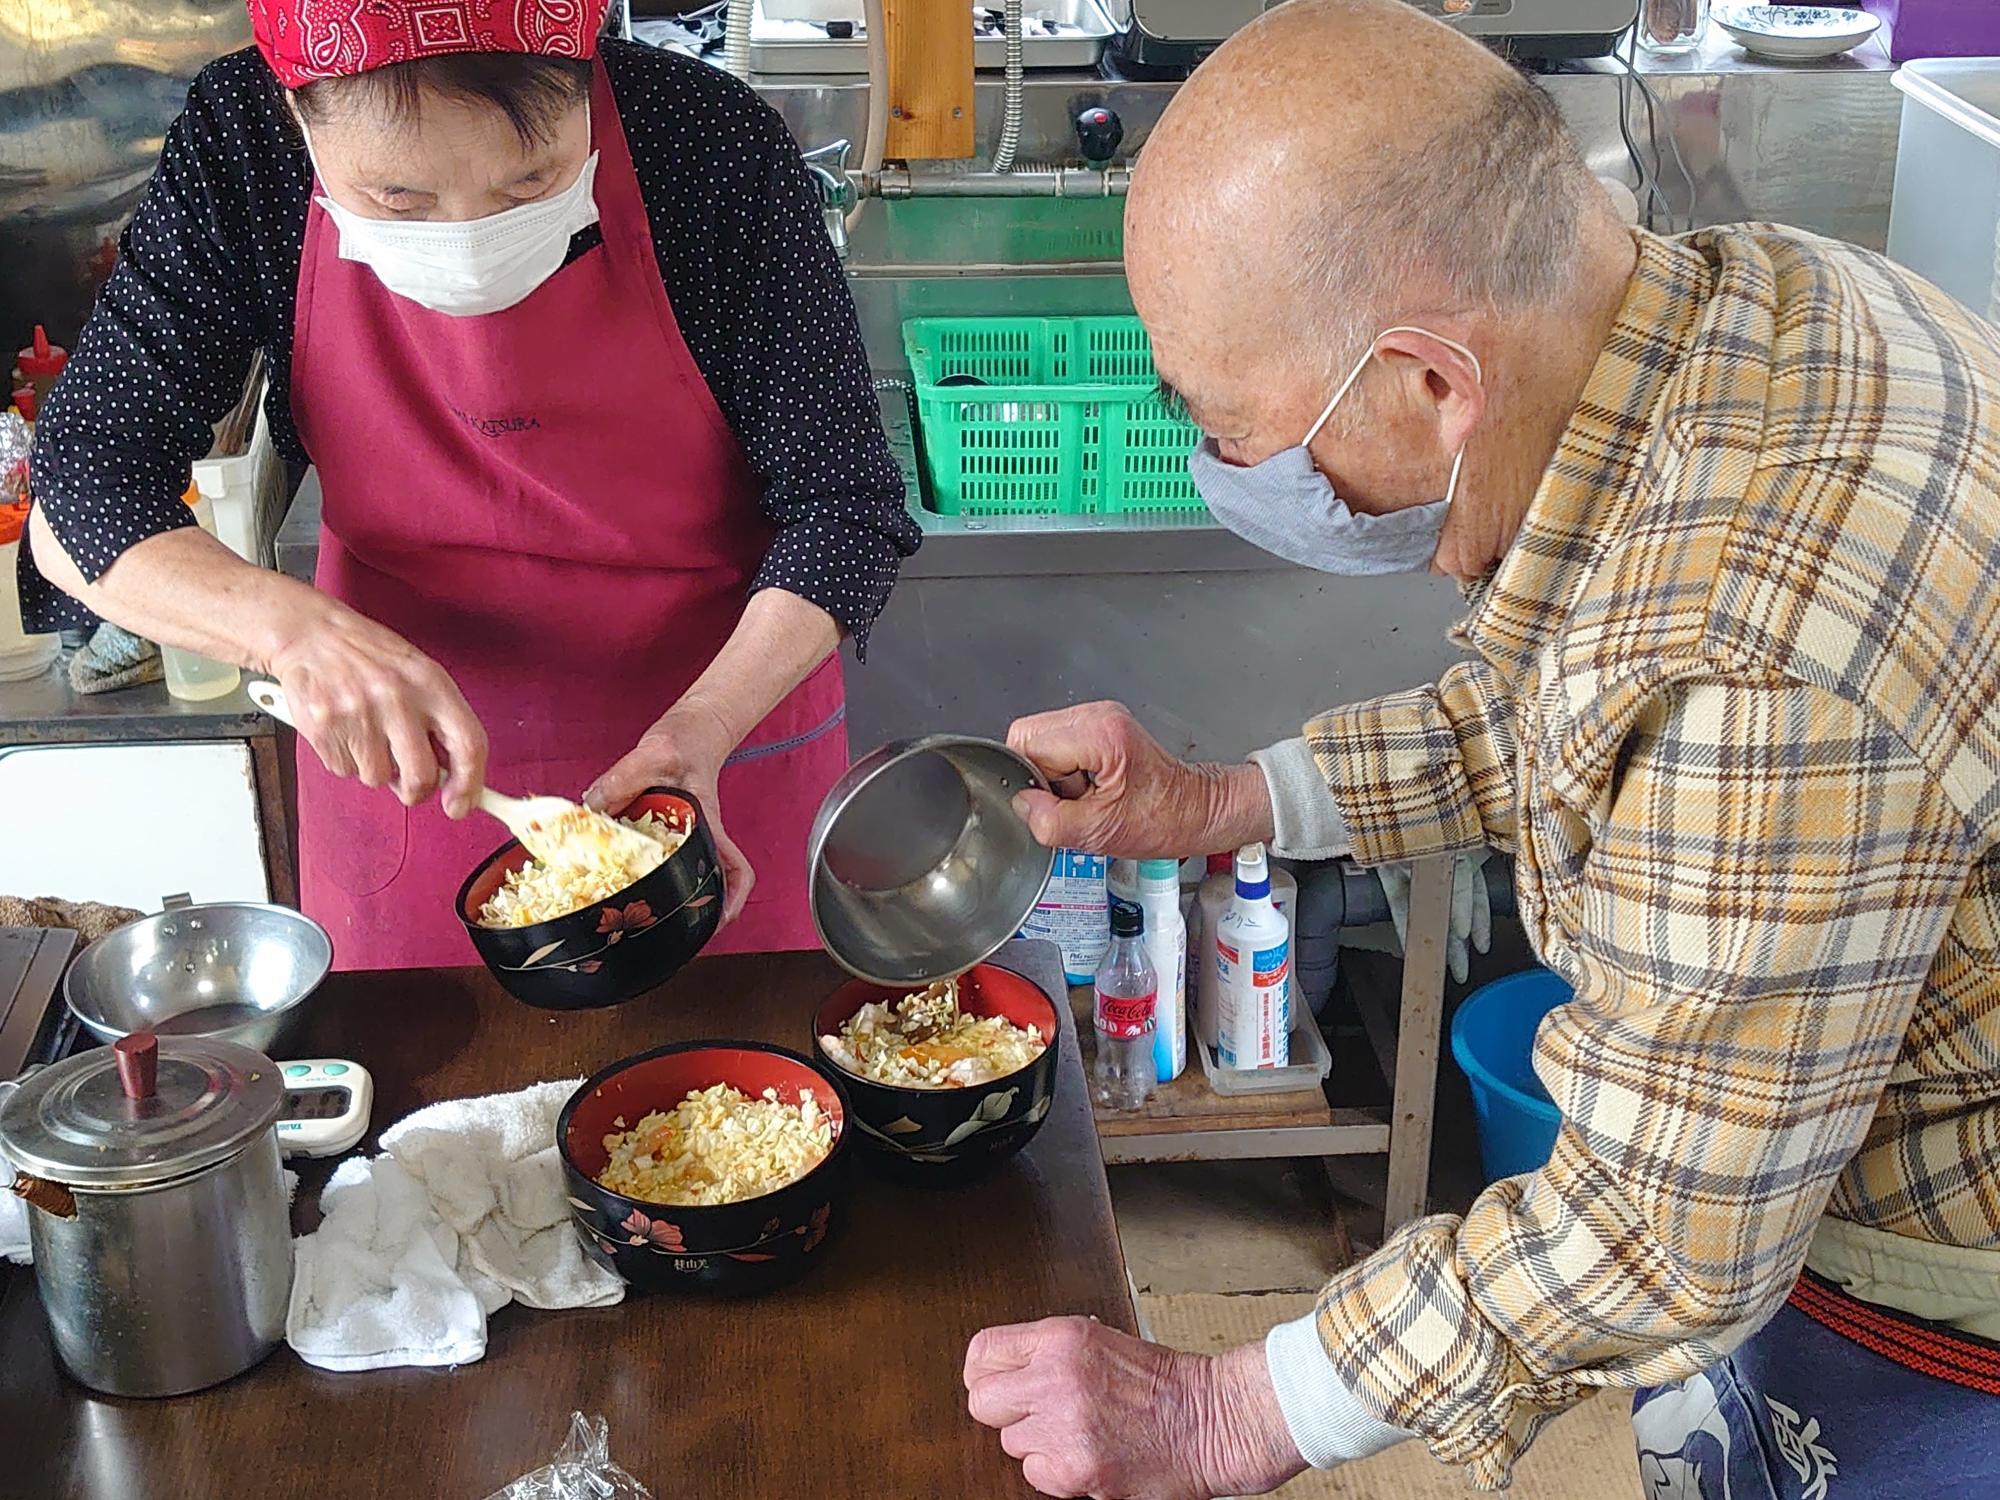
pixel 307 39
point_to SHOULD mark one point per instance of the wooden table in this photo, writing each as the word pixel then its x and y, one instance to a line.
pixel 845 1384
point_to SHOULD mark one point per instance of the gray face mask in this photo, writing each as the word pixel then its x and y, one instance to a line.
pixel 1287 507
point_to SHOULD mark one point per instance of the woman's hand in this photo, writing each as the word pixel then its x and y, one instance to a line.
pixel 686 749
pixel 376 708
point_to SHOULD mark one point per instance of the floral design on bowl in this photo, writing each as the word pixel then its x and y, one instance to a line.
pixel 613 950
pixel 728 1248
pixel 947 1136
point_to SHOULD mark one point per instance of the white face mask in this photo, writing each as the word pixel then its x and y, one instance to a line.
pixel 475 266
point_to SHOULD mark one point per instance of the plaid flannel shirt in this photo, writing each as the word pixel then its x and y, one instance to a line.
pixel 1734 706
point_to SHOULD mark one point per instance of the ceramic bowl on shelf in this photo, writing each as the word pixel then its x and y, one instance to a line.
pixel 731 1248
pixel 942 1137
pixel 611 950
pixel 1796 33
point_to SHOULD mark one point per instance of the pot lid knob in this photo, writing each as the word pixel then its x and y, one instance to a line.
pixel 138 1064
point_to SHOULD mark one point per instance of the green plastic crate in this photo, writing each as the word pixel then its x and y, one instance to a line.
pixel 1068 420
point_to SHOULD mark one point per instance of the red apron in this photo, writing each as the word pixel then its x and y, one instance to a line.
pixel 549 503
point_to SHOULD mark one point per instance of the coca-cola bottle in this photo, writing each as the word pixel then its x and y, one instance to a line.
pixel 1127 996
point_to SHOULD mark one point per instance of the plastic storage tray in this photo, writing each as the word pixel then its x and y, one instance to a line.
pixel 1314 1066
pixel 1048 416
pixel 1944 213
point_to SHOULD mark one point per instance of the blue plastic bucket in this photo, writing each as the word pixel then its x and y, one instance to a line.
pixel 1493 1039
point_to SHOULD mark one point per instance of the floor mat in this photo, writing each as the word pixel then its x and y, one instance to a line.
pixel 1586 1454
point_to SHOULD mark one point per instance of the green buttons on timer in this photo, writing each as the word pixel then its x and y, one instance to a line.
pixel 334 1070
pixel 296 1070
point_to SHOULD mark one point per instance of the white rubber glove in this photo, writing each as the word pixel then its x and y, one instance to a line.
pixel 1471 909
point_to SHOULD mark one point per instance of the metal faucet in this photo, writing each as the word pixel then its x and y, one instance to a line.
pixel 828 165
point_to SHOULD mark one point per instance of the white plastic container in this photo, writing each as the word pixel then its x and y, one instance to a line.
pixel 1944 212
pixel 1074 914
pixel 246 493
pixel 1253 946
pixel 21 655
pixel 1154 886
pixel 1216 889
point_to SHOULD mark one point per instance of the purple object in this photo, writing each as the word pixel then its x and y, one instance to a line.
pixel 1938 28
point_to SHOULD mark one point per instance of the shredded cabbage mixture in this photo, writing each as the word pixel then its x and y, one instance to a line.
pixel 925 1041
pixel 541 891
pixel 718 1145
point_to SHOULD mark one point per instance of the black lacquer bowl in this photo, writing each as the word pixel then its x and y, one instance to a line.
pixel 611 950
pixel 942 1137
pixel 727 1249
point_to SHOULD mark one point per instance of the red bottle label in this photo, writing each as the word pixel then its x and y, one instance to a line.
pixel 1126 1017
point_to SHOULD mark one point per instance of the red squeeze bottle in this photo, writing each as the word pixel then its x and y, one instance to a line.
pixel 26 404
pixel 39 364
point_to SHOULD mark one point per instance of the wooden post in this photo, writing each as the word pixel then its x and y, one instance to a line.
pixel 930 80
pixel 1418 1035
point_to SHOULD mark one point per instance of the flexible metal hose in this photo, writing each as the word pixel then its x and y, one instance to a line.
pixel 1010 123
pixel 876 141
pixel 736 39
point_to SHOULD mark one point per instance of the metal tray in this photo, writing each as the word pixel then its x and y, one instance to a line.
pixel 788 36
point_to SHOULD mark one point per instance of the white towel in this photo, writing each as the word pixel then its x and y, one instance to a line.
pixel 463 1212
pixel 13 1222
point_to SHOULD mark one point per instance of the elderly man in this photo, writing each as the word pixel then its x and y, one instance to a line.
pixel 1727 512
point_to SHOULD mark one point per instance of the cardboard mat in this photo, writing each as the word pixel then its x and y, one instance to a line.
pixel 1585 1454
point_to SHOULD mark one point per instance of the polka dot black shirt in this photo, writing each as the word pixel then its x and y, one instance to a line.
pixel 208 272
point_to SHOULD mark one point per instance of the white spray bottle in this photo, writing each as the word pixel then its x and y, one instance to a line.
pixel 1253 954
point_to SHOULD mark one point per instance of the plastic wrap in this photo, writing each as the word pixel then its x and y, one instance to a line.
pixel 14 436
pixel 582 1470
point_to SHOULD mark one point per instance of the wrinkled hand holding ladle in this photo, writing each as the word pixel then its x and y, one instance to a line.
pixel 554 830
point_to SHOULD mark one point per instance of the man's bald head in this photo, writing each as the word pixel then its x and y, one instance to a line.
pixel 1342 164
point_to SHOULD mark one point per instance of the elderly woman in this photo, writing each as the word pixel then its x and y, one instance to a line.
pixel 604 482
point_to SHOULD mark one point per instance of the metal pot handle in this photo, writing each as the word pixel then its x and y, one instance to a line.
pixel 50 1197
pixel 176 903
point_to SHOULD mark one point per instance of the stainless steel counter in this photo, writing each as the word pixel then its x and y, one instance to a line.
pixel 46 710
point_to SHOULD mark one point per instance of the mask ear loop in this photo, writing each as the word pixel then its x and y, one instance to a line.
pixel 1478 374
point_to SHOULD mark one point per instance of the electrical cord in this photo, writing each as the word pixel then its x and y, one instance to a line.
pixel 1648 193
pixel 1628 63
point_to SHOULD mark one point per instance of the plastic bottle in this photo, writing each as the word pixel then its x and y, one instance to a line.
pixel 1072 913
pixel 1216 889
pixel 1127 997
pixel 38 365
pixel 21 655
pixel 192 678
pixel 1154 886
pixel 1253 942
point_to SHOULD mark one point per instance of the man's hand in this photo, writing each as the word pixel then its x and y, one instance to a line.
pixel 1119 793
pixel 1089 1411
pixel 685 749
pixel 375 707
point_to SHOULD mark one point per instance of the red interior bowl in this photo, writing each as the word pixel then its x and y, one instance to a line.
pixel 661 1081
pixel 984 990
pixel 675 810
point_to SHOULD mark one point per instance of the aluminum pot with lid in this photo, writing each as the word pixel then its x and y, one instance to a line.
pixel 157 1210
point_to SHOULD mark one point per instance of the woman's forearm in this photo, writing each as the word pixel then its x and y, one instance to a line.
pixel 185 589
pixel 775 646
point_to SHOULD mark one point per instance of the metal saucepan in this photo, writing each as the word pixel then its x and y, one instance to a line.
pixel 239 971
pixel 156 1210
pixel 920 866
